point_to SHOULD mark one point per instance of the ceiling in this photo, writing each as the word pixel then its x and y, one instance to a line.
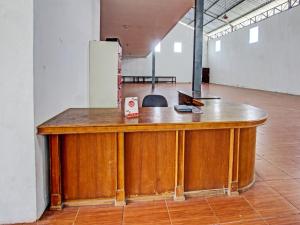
pixel 140 24
pixel 214 11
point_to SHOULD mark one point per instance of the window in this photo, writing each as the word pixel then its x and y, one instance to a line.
pixel 253 35
pixel 157 48
pixel 178 47
pixel 218 45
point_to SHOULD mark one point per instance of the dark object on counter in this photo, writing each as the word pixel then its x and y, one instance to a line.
pixel 183 108
pixel 155 101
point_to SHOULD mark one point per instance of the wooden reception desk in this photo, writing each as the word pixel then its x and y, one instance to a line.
pixel 98 156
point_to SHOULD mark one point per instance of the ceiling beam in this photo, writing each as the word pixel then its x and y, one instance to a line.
pixel 251 11
pixel 207 14
pixel 245 14
pixel 216 18
pixel 210 15
pixel 212 5
pixel 225 11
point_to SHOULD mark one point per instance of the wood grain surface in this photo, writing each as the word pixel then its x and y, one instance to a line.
pixel 55 172
pixel 150 163
pixel 247 156
pixel 89 166
pixel 206 159
pixel 216 114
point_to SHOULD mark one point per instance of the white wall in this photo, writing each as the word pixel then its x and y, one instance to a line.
pixel 137 66
pixel 169 63
pixel 180 65
pixel 44 70
pixel 271 64
pixel 62 31
pixel 17 157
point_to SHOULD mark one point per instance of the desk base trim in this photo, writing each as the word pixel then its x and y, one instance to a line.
pixel 89 202
pixel 246 188
pixel 56 208
pixel 205 193
pixel 148 198
pixel 142 198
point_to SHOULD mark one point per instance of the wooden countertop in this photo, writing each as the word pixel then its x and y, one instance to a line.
pixel 216 114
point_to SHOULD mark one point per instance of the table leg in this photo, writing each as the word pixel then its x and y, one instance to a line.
pixel 55 173
pixel 230 170
pixel 236 156
pixel 179 173
pixel 120 194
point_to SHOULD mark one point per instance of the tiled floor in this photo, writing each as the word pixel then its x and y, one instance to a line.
pixel 275 198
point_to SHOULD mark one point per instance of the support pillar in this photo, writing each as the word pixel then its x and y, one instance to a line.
pixel 289 4
pixel 198 45
pixel 153 71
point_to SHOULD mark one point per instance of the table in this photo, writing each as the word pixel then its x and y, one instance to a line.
pixel 148 79
pixel 98 156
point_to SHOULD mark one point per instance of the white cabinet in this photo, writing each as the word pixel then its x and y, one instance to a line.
pixel 104 74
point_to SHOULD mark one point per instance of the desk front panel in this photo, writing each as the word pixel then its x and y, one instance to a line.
pixel 88 166
pixel 206 159
pixel 117 165
pixel 149 163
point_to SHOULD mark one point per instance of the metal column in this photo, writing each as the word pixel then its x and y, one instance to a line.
pixel 153 70
pixel 289 4
pixel 198 45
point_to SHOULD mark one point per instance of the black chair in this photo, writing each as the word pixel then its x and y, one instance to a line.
pixel 155 101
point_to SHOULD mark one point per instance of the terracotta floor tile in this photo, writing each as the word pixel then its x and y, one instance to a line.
pixel 285 187
pixel 249 222
pixel 67 215
pixel 296 159
pixel 146 213
pixel 289 166
pixel 230 209
pixel 260 190
pixel 289 220
pixel 283 162
pixel 293 172
pixel 103 215
pixel 294 200
pixel 191 212
pixel 271 206
pixel 258 178
pixel 289 189
pixel 267 171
